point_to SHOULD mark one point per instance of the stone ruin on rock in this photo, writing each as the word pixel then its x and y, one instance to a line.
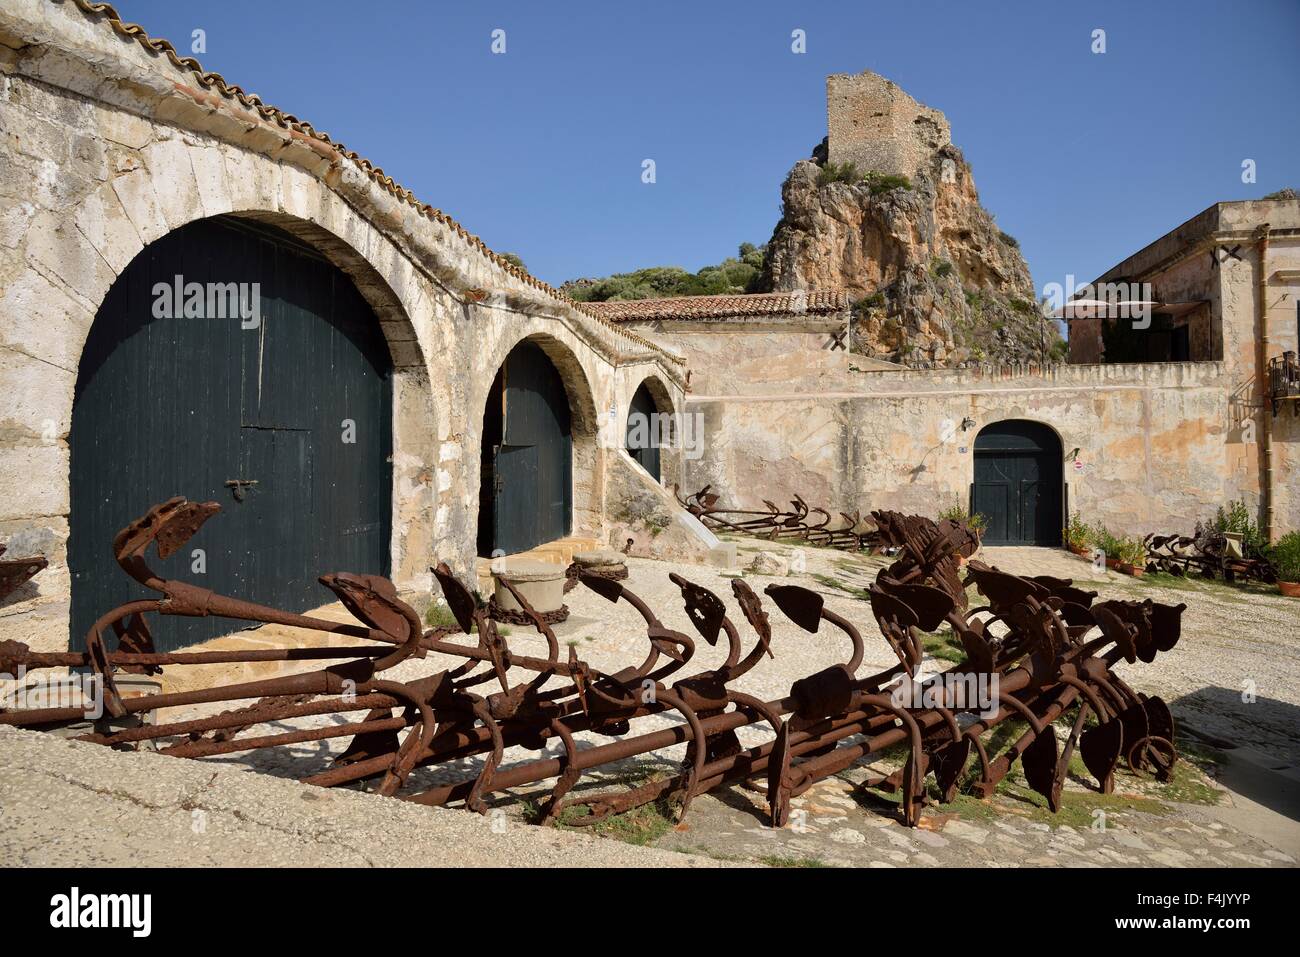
pixel 887 210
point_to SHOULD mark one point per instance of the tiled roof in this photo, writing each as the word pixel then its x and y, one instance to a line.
pixel 272 114
pixel 815 303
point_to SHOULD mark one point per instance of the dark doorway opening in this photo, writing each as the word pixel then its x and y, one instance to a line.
pixel 1018 483
pixel 647 430
pixel 526 486
pixel 295 399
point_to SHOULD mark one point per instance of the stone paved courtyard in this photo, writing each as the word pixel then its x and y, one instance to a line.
pixel 1232 803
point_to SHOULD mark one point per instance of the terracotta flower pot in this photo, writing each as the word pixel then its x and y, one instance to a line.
pixel 1133 570
pixel 1113 564
pixel 1290 589
pixel 1079 550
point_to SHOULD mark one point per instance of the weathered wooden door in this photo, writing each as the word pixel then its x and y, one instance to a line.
pixel 526 497
pixel 293 403
pixel 643 431
pixel 1018 483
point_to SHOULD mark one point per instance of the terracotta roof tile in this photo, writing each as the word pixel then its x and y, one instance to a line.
pixel 814 303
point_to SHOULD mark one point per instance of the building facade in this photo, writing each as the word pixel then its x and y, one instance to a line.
pixel 203 296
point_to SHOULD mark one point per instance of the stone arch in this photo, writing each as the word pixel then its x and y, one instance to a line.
pixel 75 254
pixel 666 460
pixel 586 423
pixel 1017 481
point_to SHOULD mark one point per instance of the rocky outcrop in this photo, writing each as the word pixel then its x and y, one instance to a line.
pixel 935 282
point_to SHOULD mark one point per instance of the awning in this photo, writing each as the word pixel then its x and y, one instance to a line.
pixel 1121 309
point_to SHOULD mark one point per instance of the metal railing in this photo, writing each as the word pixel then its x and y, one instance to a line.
pixel 1283 379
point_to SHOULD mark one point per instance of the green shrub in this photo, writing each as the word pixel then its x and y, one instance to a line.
pixel 729 277
pixel 879 183
pixel 1132 552
pixel 957 512
pixel 940 268
pixel 873 301
pixel 1009 240
pixel 875 181
pixel 1236 519
pixel 1285 556
pixel 1128 550
pixel 440 616
pixel 1108 543
pixel 839 173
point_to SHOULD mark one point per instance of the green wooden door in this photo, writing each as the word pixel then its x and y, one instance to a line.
pixel 296 399
pixel 526 496
pixel 1018 483
pixel 643 431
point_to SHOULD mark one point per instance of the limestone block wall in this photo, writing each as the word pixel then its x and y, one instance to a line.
pixel 874 123
pixel 1151 439
pixel 106 146
pixel 757 358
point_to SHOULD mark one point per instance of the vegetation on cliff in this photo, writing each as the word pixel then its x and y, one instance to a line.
pixel 732 276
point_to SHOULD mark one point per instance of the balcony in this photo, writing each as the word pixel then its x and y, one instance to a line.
pixel 1284 381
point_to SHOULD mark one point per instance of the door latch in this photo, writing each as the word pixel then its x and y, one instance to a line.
pixel 237 487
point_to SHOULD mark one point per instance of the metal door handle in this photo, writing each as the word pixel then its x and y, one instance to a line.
pixel 237 486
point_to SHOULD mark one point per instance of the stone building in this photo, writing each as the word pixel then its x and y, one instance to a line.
pixel 785 411
pixel 1224 293
pixel 202 295
pixel 327 371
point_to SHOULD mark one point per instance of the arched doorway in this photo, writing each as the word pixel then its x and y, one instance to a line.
pixel 231 362
pixel 1018 480
pixel 526 487
pixel 648 430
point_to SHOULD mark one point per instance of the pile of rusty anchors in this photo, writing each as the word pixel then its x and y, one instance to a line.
pixel 1209 553
pixel 1032 645
pixel 928 552
pixel 776 524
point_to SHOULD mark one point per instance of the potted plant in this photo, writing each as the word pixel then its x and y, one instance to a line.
pixel 1109 545
pixel 1132 557
pixel 1078 536
pixel 1285 556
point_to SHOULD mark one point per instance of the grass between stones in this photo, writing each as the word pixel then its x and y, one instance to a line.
pixel 828 581
pixel 778 860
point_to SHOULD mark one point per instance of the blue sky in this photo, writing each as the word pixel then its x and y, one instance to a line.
pixel 1083 157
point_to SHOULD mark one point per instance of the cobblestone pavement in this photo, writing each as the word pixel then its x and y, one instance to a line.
pixel 840 826
pixel 1234 642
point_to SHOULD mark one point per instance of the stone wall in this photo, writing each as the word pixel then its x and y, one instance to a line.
pixel 107 146
pixel 757 358
pixel 1151 441
pixel 784 414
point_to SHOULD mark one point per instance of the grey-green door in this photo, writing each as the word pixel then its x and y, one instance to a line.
pixel 299 402
pixel 643 432
pixel 1018 483
pixel 526 495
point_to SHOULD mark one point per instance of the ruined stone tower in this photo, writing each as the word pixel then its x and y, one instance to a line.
pixel 874 124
